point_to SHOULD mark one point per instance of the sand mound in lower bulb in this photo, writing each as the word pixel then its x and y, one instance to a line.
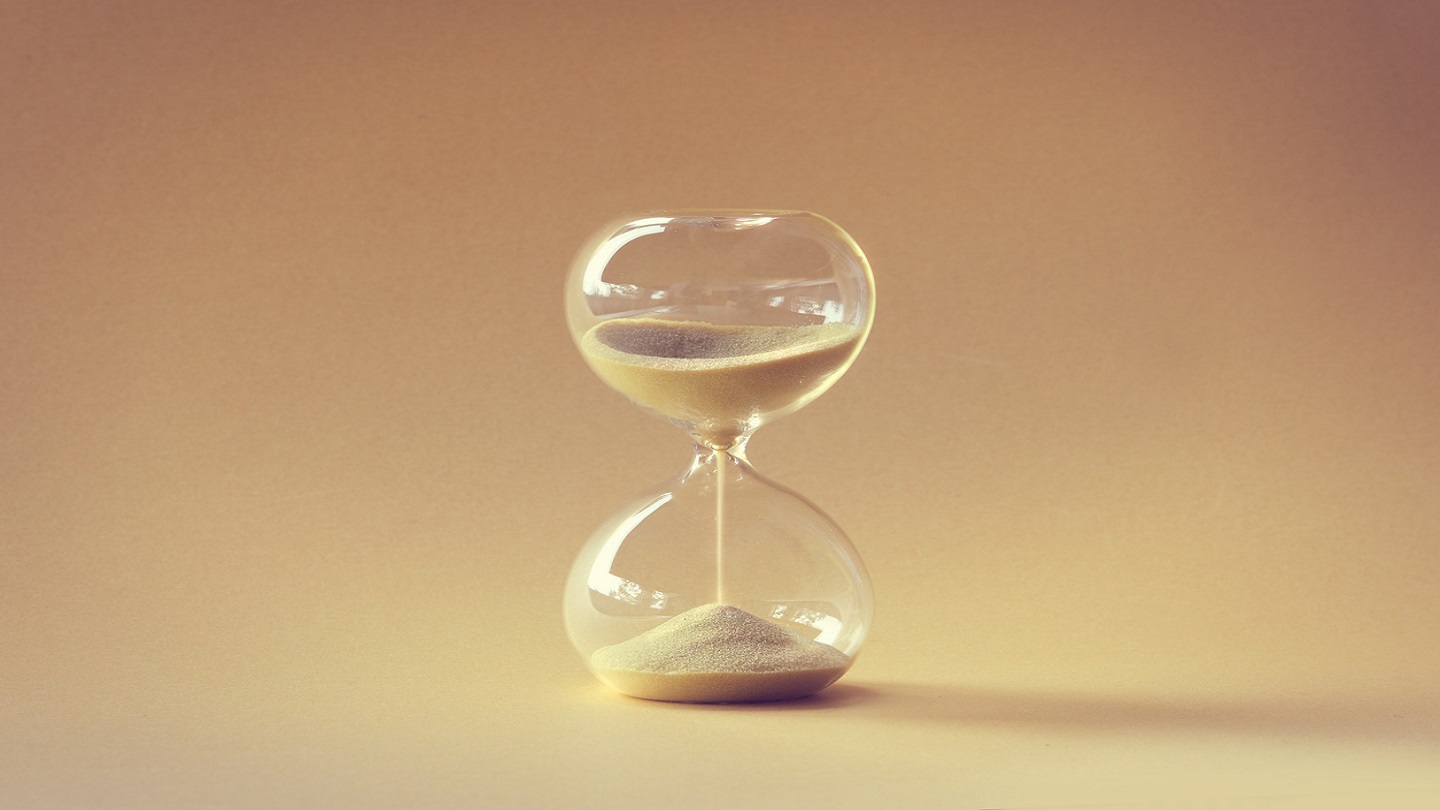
pixel 719 654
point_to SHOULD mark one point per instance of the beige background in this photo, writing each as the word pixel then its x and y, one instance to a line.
pixel 1143 453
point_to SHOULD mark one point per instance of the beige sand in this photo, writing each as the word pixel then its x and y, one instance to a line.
pixel 719 654
pixel 722 380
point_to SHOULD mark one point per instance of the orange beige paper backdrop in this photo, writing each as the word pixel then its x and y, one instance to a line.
pixel 1143 454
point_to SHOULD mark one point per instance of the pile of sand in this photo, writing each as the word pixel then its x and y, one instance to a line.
pixel 719 653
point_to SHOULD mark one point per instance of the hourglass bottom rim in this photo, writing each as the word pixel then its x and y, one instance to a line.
pixel 720 687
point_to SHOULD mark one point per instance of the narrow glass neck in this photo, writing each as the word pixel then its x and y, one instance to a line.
pixel 707 447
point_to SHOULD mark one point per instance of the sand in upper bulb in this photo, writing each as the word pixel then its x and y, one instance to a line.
pixel 719 378
pixel 719 654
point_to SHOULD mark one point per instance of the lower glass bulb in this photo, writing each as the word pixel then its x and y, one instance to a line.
pixel 718 586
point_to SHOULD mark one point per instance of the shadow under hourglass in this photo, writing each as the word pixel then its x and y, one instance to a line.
pixel 1341 716
pixel 1338 716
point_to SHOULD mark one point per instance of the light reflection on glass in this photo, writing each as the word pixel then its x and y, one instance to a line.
pixel 827 626
pixel 606 583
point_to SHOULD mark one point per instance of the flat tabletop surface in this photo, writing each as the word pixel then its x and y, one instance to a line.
pixel 1142 454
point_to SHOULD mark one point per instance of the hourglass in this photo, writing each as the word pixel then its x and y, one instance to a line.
pixel 719 585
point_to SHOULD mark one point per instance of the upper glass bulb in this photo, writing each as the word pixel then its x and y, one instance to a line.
pixel 720 321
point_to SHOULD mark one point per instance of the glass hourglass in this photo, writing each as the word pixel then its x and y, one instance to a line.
pixel 719 585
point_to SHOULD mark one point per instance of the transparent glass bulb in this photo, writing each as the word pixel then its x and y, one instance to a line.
pixel 719 585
